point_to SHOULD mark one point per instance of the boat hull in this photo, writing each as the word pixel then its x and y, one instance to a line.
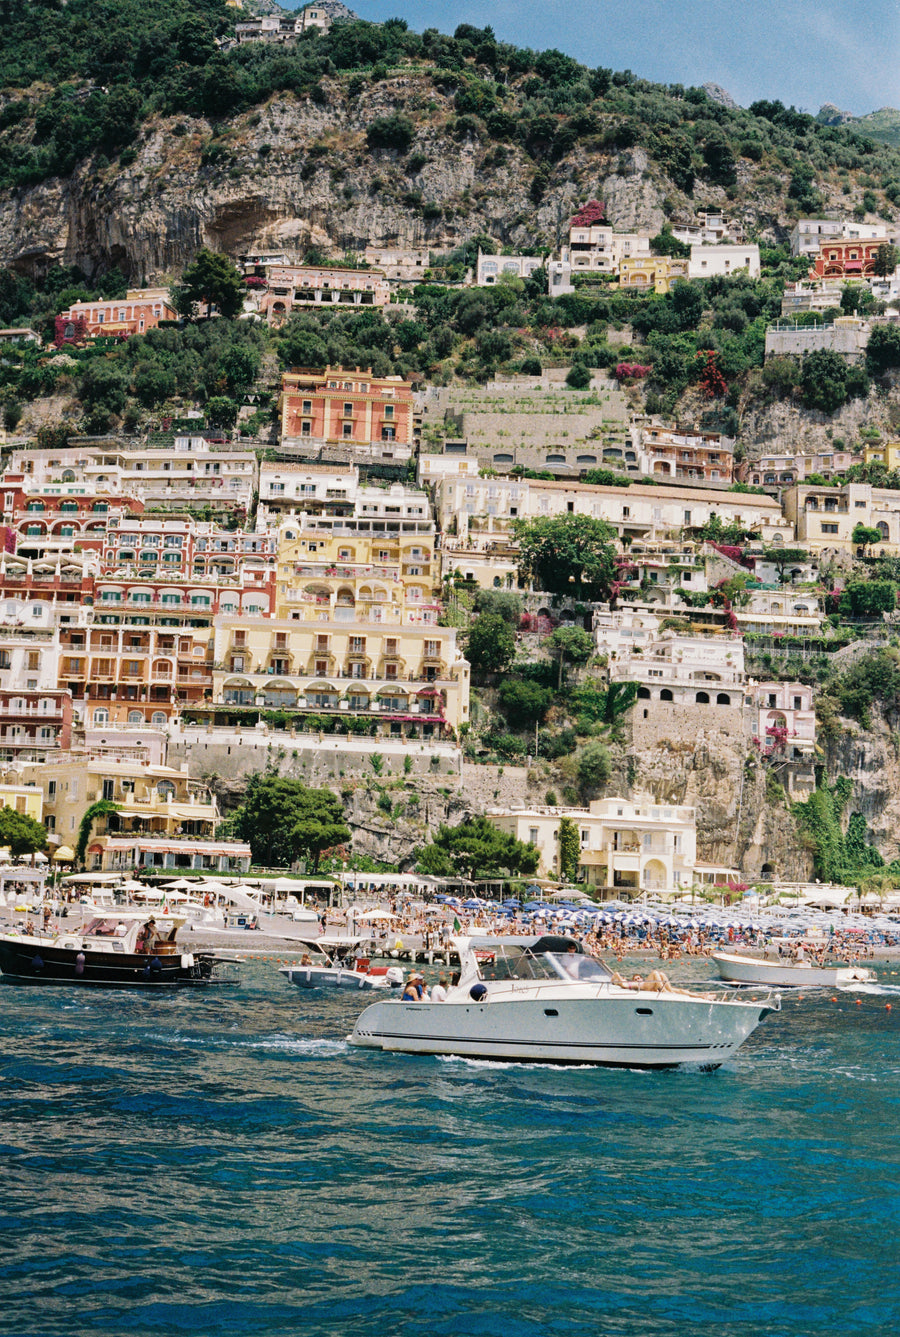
pixel 323 977
pixel 27 961
pixel 787 974
pixel 635 1031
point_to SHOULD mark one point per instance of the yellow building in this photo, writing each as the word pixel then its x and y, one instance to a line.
pixel 350 574
pixel 163 819
pixel 355 640
pixel 658 272
pixel 384 676
pixel 885 452
pixel 23 799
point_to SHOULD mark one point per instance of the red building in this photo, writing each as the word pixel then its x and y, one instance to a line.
pixel 34 722
pixel 841 259
pixel 353 407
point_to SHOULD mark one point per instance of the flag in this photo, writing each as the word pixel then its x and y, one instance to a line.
pixel 456 925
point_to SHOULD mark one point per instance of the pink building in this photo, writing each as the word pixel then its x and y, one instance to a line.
pixel 141 309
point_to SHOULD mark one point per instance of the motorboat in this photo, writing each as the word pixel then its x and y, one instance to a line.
pixel 789 972
pixel 112 949
pixel 340 967
pixel 542 999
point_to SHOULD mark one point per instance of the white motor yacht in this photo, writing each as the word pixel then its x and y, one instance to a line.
pixel 540 999
pixel 787 972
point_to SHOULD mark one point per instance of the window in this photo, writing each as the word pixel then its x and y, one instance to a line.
pixel 532 835
pixel 348 410
pixel 109 786
pixel 829 529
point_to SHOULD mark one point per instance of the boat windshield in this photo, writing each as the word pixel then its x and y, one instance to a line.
pixel 514 963
pixel 574 966
pixel 105 928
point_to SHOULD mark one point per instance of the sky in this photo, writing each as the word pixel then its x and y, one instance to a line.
pixel 803 52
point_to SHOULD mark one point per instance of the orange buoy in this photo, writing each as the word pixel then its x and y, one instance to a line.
pixel 859 1002
pixel 834 1000
pixel 889 1007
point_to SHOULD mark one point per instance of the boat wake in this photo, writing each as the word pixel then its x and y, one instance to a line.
pixel 878 990
pixel 288 1044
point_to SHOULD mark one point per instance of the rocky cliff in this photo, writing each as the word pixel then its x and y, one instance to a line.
pixel 297 172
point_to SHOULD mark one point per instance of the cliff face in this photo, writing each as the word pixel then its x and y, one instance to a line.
pixel 294 173
pixel 786 427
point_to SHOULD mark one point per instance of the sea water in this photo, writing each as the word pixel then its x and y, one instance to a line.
pixel 224 1163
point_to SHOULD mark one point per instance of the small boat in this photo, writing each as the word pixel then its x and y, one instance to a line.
pixel 785 972
pixel 110 950
pixel 541 999
pixel 317 969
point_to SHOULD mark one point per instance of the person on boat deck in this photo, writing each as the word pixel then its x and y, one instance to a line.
pixel 305 959
pixel 414 989
pixel 150 935
pixel 439 992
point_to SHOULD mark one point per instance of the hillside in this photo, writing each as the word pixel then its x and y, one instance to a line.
pixel 883 125
pixel 130 148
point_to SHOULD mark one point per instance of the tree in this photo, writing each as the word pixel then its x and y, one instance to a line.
pixel 782 558
pixel 593 768
pixel 283 820
pixel 492 643
pixel 823 380
pixel 21 833
pixel 887 258
pixel 883 350
pixel 391 132
pixel 478 847
pixel 319 825
pixel 505 603
pixel 221 411
pixel 868 598
pixel 579 377
pixel 213 280
pixel 567 554
pixel 102 808
pixel 523 703
pixel 665 243
pixel 570 643
pixel 865 535
pixel 569 848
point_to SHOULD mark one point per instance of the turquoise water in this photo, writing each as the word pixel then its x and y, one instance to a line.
pixel 199 1164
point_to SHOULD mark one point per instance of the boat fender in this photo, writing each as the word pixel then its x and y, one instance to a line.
pixel 156 965
pixel 478 992
pixel 79 964
pixel 187 960
pixel 37 963
pixel 146 971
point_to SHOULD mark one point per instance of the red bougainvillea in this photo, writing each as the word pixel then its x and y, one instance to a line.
pixel 589 214
pixel 631 371
pixel 712 382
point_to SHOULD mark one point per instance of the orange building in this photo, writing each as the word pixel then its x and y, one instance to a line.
pixel 354 407
pixel 141 309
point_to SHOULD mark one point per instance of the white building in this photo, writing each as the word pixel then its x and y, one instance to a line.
pixel 786 721
pixel 715 261
pixel 685 670
pixel 626 846
pixel 489 268
pixel 808 233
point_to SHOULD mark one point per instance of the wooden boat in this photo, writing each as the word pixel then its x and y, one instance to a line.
pixel 113 950
pixel 785 972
